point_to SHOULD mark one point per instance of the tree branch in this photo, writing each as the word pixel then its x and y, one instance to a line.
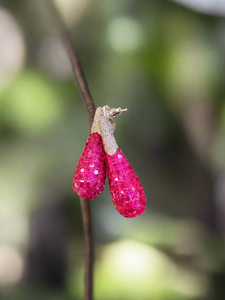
pixel 75 62
pixel 90 106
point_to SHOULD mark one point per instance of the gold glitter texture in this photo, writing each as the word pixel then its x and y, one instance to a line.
pixel 104 125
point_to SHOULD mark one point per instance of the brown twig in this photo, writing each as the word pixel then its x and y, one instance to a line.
pixel 84 90
pixel 89 251
pixel 79 76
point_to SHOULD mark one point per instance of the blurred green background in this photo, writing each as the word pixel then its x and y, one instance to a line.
pixel 165 62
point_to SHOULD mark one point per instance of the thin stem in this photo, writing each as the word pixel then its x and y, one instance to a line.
pixel 79 76
pixel 75 62
pixel 89 251
pixel 90 106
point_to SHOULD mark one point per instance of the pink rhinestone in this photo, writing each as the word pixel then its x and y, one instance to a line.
pixel 126 189
pixel 90 174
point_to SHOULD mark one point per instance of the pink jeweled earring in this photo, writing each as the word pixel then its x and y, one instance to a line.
pixel 90 173
pixel 126 189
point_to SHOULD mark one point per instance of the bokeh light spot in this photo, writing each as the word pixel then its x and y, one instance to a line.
pixel 12 48
pixel 132 270
pixel 125 34
pixel 71 10
pixel 11 265
pixel 216 7
pixel 31 104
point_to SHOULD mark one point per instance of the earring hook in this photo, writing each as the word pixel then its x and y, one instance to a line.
pixel 112 112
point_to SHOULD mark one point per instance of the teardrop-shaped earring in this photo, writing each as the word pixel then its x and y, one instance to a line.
pixel 126 189
pixel 90 173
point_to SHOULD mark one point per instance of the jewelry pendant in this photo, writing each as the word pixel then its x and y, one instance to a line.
pixel 126 189
pixel 90 174
pixel 101 153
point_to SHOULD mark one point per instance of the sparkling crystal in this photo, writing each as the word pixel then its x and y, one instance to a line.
pixel 126 189
pixel 90 174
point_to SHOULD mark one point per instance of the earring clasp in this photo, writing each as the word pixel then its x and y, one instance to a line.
pixel 112 112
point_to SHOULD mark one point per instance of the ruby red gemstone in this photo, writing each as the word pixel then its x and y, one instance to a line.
pixel 126 189
pixel 90 174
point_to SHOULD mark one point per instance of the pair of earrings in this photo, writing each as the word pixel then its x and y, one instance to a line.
pixel 102 155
